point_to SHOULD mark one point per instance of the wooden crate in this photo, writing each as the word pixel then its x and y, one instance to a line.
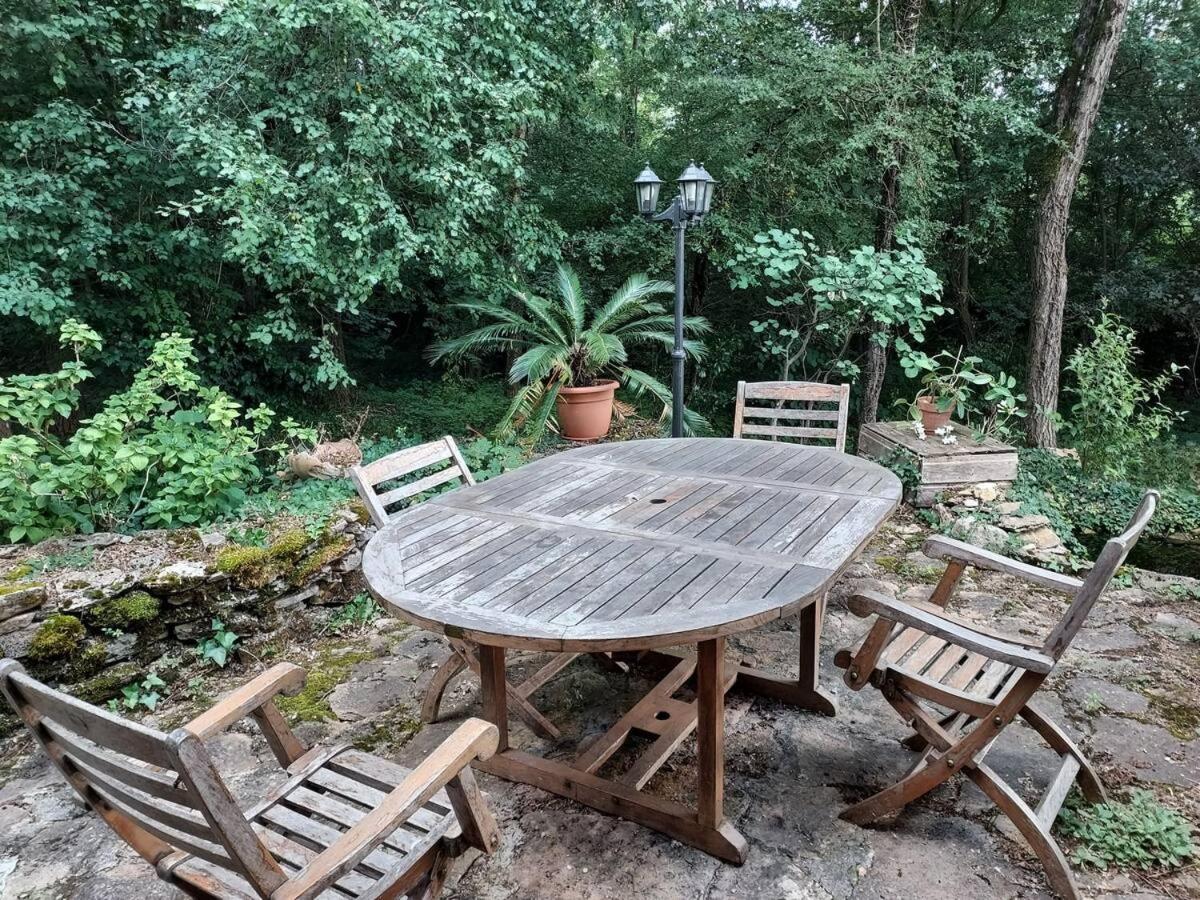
pixel 943 467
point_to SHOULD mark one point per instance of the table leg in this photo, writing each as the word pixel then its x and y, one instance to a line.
pixel 494 688
pixel 804 690
pixel 710 731
pixel 705 825
pixel 811 618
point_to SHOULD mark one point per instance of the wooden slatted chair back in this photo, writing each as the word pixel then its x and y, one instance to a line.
pixel 159 792
pixel 434 463
pixel 1110 559
pixel 818 414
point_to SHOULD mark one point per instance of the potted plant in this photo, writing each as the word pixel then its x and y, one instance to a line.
pixel 947 380
pixel 573 357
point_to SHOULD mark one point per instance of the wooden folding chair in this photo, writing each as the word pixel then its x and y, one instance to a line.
pixel 343 824
pixel 820 416
pixel 958 686
pixel 435 464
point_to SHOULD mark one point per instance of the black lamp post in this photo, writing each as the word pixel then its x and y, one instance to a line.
pixel 688 208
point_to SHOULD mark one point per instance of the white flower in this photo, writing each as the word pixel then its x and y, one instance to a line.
pixel 949 439
pixel 918 429
pixel 944 430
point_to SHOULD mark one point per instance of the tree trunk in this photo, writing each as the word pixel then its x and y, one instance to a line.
pixel 1076 105
pixel 907 21
pixel 960 245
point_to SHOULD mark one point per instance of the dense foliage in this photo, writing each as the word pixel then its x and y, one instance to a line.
pixel 255 174
pixel 306 196
pixel 166 451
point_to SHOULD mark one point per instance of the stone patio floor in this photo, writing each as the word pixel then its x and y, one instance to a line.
pixel 1127 689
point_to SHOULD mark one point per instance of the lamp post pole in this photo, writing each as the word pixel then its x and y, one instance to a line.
pixel 691 205
pixel 677 354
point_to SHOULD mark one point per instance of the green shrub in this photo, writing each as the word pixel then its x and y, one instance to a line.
pixel 1079 505
pixel 1139 833
pixel 167 451
pixel 1117 415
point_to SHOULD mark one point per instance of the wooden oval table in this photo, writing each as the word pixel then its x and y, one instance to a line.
pixel 631 548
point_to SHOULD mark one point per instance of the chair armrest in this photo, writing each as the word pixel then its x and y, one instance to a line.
pixel 939 547
pixel 284 678
pixel 474 739
pixel 937 624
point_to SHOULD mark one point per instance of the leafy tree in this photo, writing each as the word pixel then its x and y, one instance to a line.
pixel 821 302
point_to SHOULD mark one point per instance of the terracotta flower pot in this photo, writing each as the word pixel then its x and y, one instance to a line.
pixel 585 413
pixel 933 418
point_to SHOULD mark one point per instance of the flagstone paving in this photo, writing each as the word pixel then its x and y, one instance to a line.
pixel 1119 691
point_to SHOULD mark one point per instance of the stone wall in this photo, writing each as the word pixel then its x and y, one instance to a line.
pixel 94 612
pixel 981 514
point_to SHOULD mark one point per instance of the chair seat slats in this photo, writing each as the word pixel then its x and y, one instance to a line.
pixel 966 672
pixel 334 783
pixel 345 815
pixel 925 654
pixel 900 644
pixel 294 856
pixel 382 774
pixel 941 667
pixel 318 835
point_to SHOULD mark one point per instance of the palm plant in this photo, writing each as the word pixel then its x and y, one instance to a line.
pixel 563 343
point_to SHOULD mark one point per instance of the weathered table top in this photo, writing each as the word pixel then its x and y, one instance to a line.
pixel 631 545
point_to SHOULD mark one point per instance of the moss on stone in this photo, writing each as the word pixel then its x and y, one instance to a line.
pixel 331 667
pixel 325 554
pixel 361 514
pixel 904 568
pixel 256 567
pixel 1182 720
pixel 393 733
pixel 237 559
pixel 107 684
pixel 19 587
pixel 249 567
pixel 59 637
pixel 87 662
pixel 289 545
pixel 128 612
pixel 21 571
